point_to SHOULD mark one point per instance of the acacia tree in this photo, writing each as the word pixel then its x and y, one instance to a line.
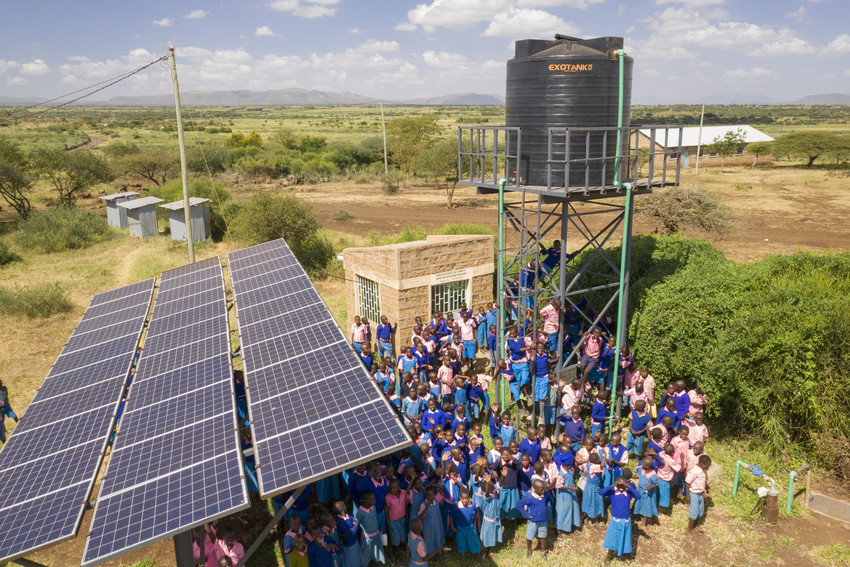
pixel 726 145
pixel 15 177
pixel 677 208
pixel 154 164
pixel 758 149
pixel 438 162
pixel 808 145
pixel 70 172
pixel 407 137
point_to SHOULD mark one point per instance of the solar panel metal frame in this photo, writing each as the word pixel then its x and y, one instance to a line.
pixel 266 254
pixel 133 489
pixel 75 490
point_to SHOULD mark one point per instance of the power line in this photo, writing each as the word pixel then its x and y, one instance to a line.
pixel 113 81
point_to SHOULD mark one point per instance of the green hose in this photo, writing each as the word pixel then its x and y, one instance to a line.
pixel 500 287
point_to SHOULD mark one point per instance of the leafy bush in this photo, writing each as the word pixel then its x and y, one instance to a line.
pixel 6 255
pixel 392 182
pixel 267 217
pixel 38 301
pixel 462 228
pixel 62 228
pixel 238 140
pixel 342 216
pixel 768 342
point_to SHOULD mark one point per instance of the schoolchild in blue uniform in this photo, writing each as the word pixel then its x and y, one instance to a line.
pixel 534 509
pixel 321 550
pixel 433 528
pixel 598 413
pixel 379 486
pixel 412 407
pixel 440 327
pixel 541 379
pixel 530 445
pixel 668 410
pixel 616 457
pixel 366 356
pixel 507 431
pixel 460 440
pixel 492 345
pixel 474 394
pixel 507 469
pixel 573 428
pixel 524 474
pixel 385 333
pixel 647 506
pixel 370 544
pixel 423 360
pixel 606 362
pixel 519 363
pixel 567 510
pixel 416 550
pixel 481 327
pixel 495 454
pixel 464 521
pixel 490 531
pixel 618 536
pixel 591 502
pixel 432 416
pixel 460 391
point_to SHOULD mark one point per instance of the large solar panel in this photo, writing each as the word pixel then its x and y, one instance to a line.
pixel 49 464
pixel 177 461
pixel 314 409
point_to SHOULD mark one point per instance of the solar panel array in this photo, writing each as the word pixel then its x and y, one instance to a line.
pixel 177 460
pixel 314 408
pixel 49 464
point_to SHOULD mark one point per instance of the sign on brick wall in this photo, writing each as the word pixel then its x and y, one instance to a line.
pixel 453 276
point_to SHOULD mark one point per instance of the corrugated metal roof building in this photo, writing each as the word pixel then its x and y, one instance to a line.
pixel 115 215
pixel 141 216
pixel 199 214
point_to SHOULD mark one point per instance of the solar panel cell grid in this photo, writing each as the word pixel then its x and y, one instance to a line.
pixel 195 268
pixel 209 277
pixel 94 323
pixel 142 287
pixel 309 394
pixel 199 293
pixel 186 335
pixel 183 356
pixel 106 334
pixel 102 351
pixel 28 444
pixel 188 378
pixel 58 383
pixel 105 394
pixel 184 318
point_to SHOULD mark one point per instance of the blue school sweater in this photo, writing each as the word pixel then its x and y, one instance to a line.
pixel 385 332
pixel 531 449
pixel 620 501
pixel 573 428
pixel 598 411
pixel 533 509
pixel 640 423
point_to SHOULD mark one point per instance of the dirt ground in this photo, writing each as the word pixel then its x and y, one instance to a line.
pixel 774 211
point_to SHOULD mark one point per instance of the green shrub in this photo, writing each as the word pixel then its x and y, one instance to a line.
pixel 342 216
pixel 6 255
pixel 39 301
pixel 462 228
pixel 267 217
pixel 62 228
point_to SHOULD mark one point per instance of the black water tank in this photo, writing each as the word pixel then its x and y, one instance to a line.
pixel 566 82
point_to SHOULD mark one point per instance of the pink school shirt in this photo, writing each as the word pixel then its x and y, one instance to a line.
pixel 570 397
pixel 444 374
pixel 682 445
pixel 592 346
pixel 665 435
pixel 235 553
pixel 484 380
pixel 670 468
pixel 209 552
pixel 358 335
pixel 396 505
pixel 698 399
pixel 635 396
pixel 691 459
pixel 550 319
pixel 696 432
pixel 582 456
pixel 648 384
pixel 696 480
pixel 467 329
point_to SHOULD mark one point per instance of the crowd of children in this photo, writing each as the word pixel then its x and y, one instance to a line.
pixel 459 488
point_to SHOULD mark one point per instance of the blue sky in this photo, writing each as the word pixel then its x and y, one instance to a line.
pixel 684 50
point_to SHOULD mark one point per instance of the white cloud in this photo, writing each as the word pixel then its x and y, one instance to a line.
pixel 455 14
pixel 754 74
pixel 13 81
pixel 838 46
pixel 692 3
pixel 164 22
pixel 528 22
pixel 405 26
pixel 355 31
pixel 196 14
pixel 306 9
pixel 576 4
pixel 699 65
pixel 799 14
pixel 264 31
pixel 6 66
pixel 444 60
pixel 34 68
pixel 84 70
pixel 651 72
pixel 190 52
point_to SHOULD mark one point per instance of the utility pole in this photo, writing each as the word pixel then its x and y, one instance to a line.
pixel 183 170
pixel 699 138
pixel 384 126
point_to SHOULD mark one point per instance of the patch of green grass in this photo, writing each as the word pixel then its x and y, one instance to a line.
pixel 36 301
pixel 62 228
pixel 6 255
pixel 342 216
pixel 837 554
pixel 143 563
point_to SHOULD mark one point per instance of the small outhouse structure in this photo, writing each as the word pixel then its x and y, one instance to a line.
pixel 199 214
pixel 115 215
pixel 141 216
pixel 403 281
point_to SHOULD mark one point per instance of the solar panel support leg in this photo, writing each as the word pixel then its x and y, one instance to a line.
pixel 275 521
pixel 183 553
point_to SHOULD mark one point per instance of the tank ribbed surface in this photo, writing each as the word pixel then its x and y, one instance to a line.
pixel 566 83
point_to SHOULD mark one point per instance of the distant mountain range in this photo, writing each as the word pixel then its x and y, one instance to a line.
pixel 304 96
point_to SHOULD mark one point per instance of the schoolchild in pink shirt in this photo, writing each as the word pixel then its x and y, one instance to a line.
pixel 639 392
pixel 445 374
pixel 681 441
pixel 648 383
pixel 697 485
pixel 667 475
pixel 551 315
pixel 697 397
pixel 358 334
pixel 395 505
pixel 572 395
pixel 692 456
pixel 697 430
